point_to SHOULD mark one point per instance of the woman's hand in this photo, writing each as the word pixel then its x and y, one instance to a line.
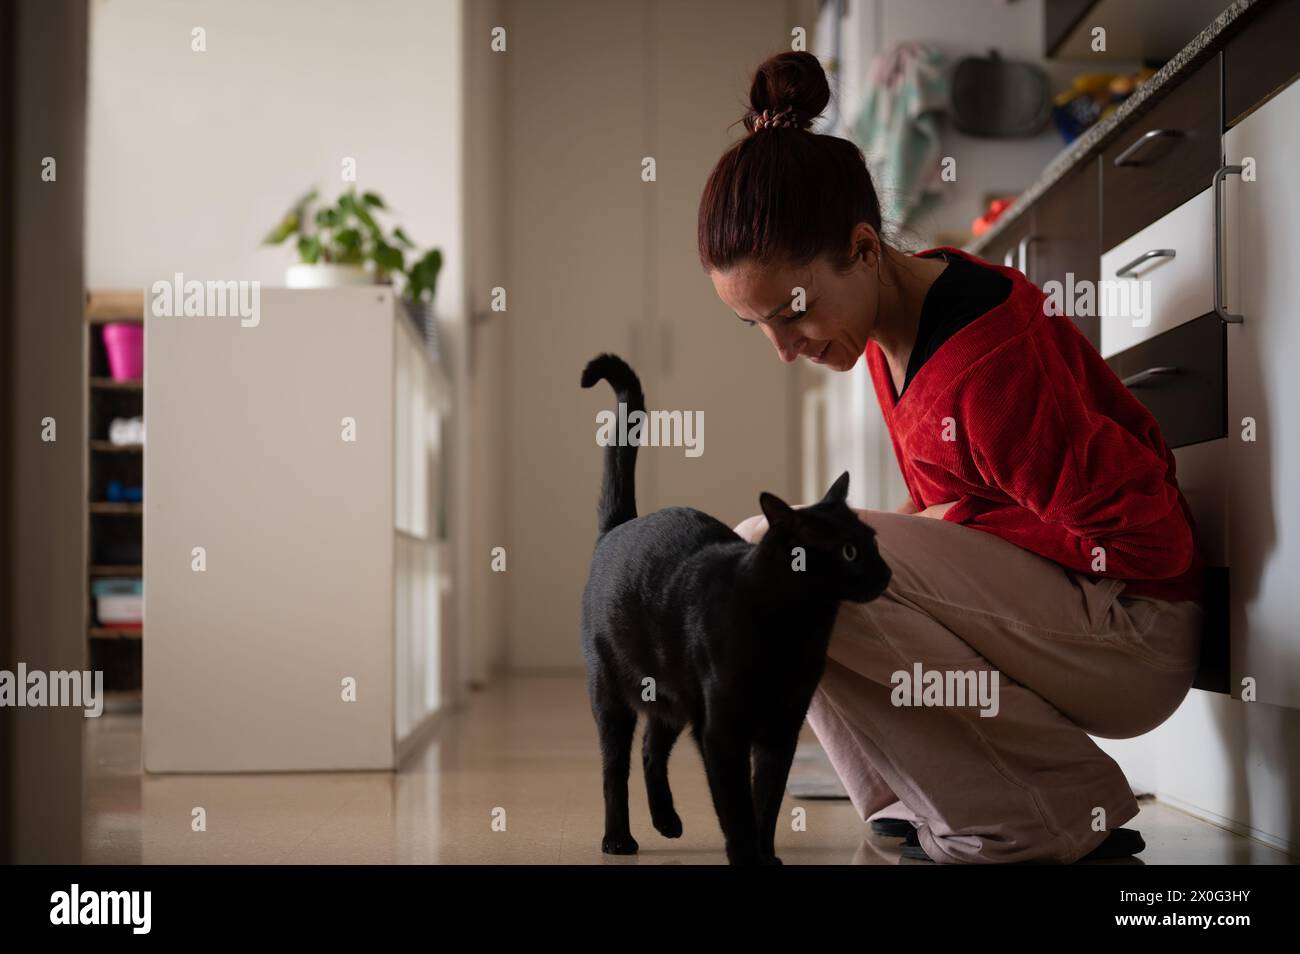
pixel 752 528
pixel 906 507
pixel 937 511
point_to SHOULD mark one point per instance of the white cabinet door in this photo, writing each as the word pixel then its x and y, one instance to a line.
pixel 1262 219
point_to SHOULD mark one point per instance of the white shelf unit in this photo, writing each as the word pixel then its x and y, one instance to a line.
pixel 323 560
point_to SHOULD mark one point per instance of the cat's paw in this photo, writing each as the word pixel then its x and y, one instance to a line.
pixel 769 860
pixel 668 824
pixel 619 845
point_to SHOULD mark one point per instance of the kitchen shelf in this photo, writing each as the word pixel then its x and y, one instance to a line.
pixel 110 569
pixel 115 632
pixel 114 529
pixel 108 447
pixel 104 506
pixel 111 384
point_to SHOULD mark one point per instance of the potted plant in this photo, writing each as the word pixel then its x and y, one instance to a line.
pixel 344 244
pixel 339 244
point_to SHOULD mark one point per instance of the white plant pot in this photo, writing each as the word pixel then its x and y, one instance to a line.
pixel 326 276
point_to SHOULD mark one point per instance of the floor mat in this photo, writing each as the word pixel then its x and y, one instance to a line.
pixel 812 776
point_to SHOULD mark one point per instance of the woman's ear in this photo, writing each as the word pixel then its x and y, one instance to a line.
pixel 777 511
pixel 865 245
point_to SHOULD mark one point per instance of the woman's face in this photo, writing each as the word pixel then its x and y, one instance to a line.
pixel 840 307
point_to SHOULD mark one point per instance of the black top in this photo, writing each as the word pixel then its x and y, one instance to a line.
pixel 961 293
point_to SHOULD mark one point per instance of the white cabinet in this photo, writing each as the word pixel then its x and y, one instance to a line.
pixel 1262 233
pixel 1165 269
pixel 290 536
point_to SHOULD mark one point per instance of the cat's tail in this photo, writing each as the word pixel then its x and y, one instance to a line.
pixel 618 488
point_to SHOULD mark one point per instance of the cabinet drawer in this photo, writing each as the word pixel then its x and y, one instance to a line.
pixel 1164 159
pixel 1260 60
pixel 1160 278
pixel 1180 376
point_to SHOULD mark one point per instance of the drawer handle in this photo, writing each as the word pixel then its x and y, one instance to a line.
pixel 1142 377
pixel 1219 306
pixel 1127 270
pixel 1009 259
pixel 1022 253
pixel 1125 158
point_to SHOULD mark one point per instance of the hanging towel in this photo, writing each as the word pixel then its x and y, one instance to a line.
pixel 898 128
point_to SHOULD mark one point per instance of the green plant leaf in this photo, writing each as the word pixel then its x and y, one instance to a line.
pixel 292 221
pixel 301 205
pixel 327 218
pixel 309 249
pixel 287 226
pixel 422 277
pixel 402 238
pixel 367 220
pixel 373 200
pixel 388 258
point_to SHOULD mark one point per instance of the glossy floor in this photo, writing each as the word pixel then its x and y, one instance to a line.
pixel 523 750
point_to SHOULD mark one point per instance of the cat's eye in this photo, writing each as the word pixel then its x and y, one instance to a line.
pixel 850 552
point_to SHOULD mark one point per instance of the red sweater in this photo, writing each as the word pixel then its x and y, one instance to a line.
pixel 1019 420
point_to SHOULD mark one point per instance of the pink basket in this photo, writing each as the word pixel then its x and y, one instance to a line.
pixel 124 342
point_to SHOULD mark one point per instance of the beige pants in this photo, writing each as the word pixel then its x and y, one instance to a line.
pixel 1071 657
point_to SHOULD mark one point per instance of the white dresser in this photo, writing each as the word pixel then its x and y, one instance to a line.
pixel 294 571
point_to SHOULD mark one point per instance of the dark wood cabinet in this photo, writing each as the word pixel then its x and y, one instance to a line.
pixel 1006 248
pixel 1181 377
pixel 1066 242
pixel 1260 60
pixel 1163 159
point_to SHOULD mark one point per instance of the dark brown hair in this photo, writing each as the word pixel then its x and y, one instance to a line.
pixel 784 193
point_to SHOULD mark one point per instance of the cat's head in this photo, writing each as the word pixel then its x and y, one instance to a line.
pixel 836 549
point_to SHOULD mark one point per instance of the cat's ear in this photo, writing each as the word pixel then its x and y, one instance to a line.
pixel 777 511
pixel 839 491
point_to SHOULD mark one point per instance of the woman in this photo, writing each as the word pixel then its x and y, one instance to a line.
pixel 1058 557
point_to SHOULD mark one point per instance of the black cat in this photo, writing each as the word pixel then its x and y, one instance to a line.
pixel 689 624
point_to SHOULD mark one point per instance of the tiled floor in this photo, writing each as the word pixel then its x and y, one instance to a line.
pixel 526 746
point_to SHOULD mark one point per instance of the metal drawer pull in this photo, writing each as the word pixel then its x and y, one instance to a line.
pixel 1125 158
pixel 1219 306
pixel 1139 379
pixel 1022 253
pixel 1127 270
pixel 1009 259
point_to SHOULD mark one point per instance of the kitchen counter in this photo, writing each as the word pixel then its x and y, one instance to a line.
pixel 1102 133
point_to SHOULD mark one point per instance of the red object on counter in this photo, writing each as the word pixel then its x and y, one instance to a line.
pixel 985 221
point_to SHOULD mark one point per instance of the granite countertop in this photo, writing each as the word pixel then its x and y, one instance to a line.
pixel 1101 134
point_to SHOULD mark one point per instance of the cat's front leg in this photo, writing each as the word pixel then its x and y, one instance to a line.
pixel 726 762
pixel 773 754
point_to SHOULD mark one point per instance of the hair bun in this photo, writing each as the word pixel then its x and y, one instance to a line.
pixel 793 81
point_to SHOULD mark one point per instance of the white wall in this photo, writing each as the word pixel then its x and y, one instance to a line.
pixel 192 157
